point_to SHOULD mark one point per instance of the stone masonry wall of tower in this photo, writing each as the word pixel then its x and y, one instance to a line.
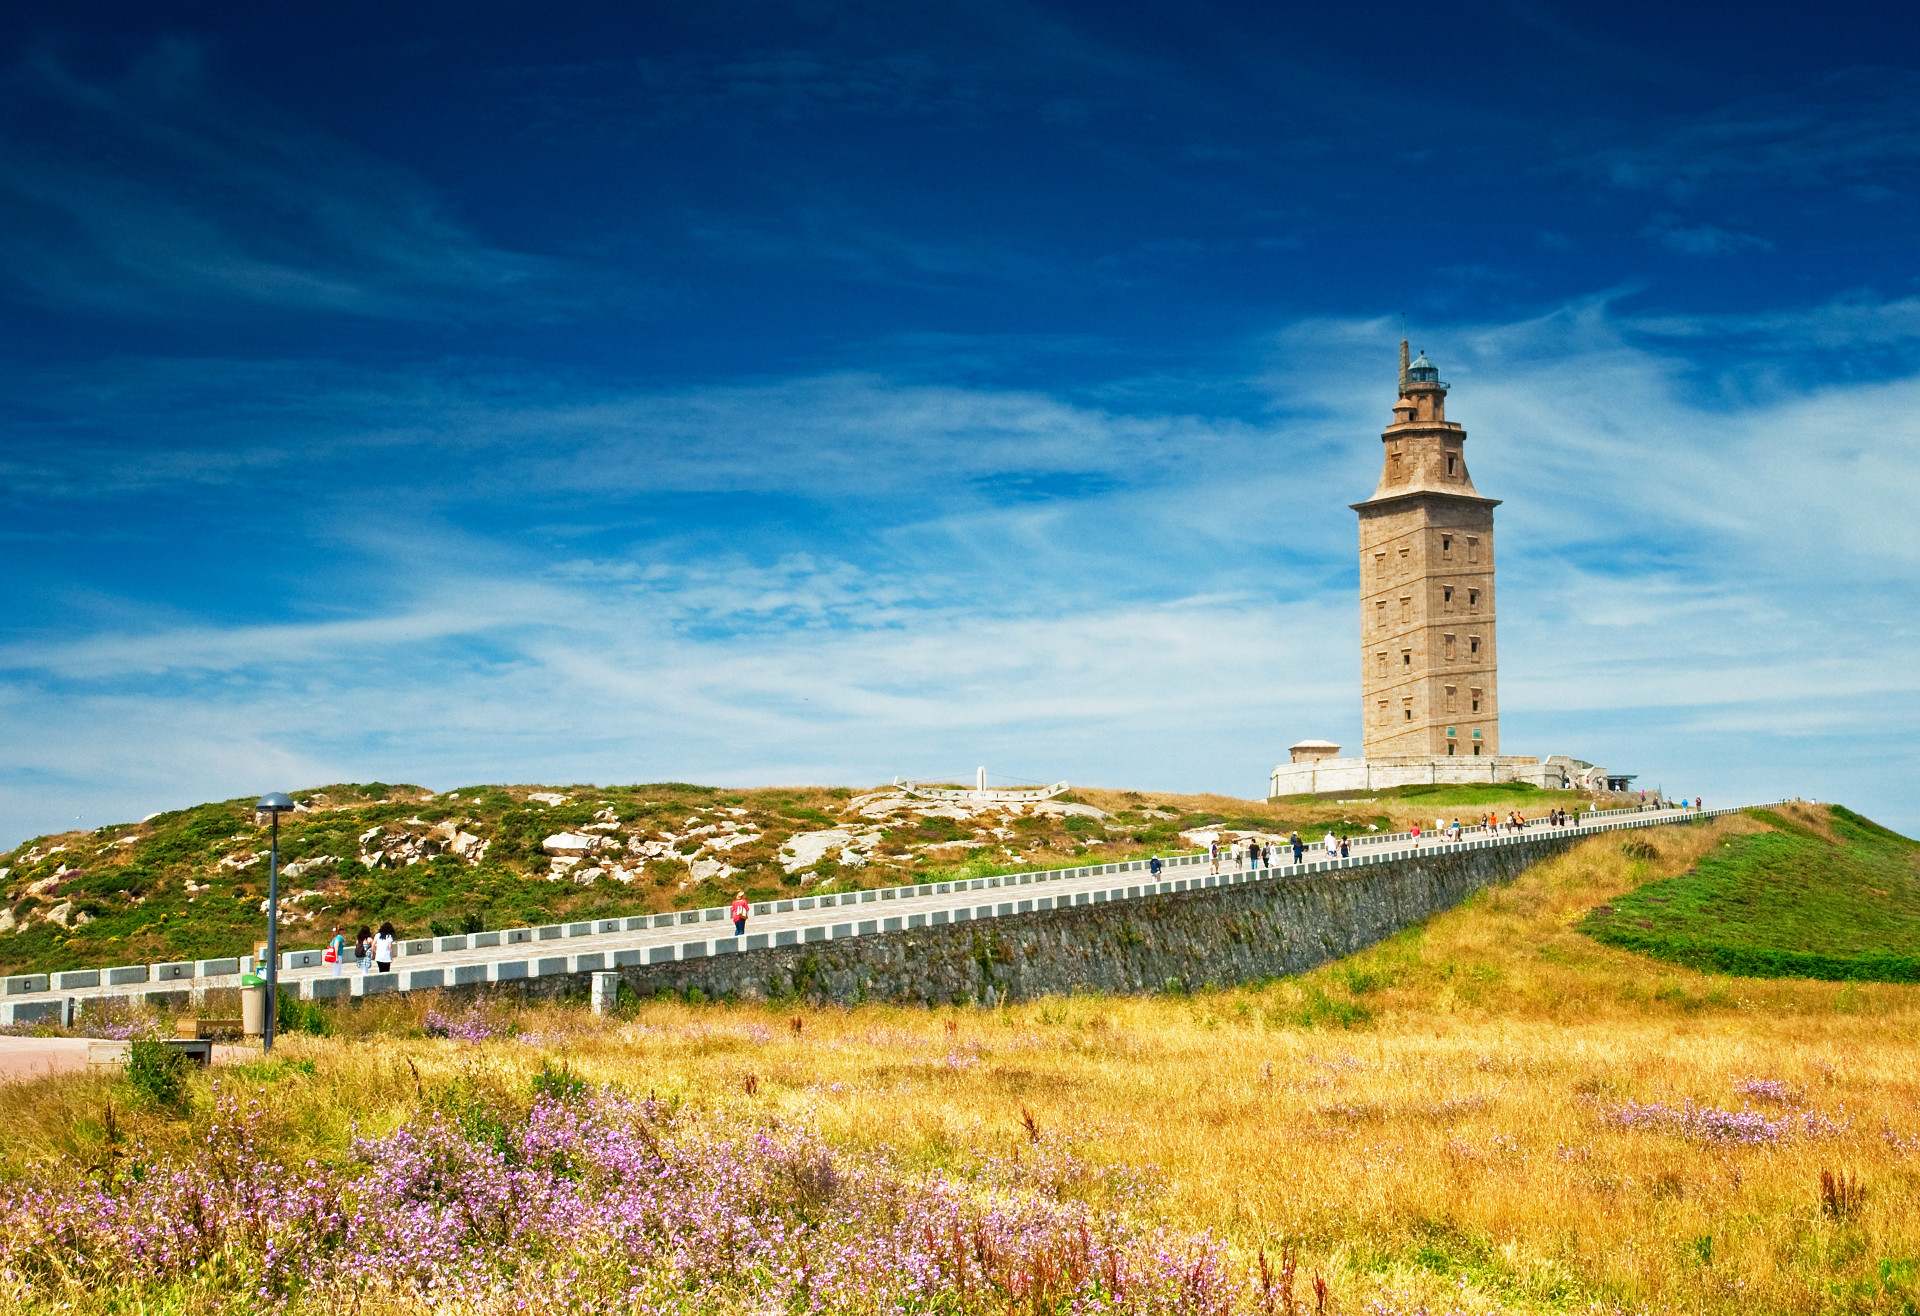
pixel 1428 657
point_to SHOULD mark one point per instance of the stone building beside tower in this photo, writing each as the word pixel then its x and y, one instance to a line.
pixel 1429 688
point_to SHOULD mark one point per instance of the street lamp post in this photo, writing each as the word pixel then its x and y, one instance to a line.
pixel 273 805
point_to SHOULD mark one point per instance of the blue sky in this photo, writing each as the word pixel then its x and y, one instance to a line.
pixel 757 394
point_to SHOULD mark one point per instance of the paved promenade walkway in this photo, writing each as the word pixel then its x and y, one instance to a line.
pixel 520 953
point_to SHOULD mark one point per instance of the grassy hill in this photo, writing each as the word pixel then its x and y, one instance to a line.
pixel 1488 1113
pixel 191 883
pixel 1823 893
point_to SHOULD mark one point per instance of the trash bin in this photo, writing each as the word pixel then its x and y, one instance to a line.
pixel 253 1005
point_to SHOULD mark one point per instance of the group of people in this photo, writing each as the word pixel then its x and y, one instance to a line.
pixel 373 950
pixel 1255 853
pixel 1491 821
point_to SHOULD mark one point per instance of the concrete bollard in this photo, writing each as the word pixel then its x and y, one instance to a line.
pixel 606 992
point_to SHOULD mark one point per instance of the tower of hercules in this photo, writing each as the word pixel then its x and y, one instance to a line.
pixel 1427 652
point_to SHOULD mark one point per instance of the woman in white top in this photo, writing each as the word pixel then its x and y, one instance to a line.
pixel 1333 845
pixel 383 948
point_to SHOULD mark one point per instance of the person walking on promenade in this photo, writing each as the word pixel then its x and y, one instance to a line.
pixel 363 950
pixel 337 950
pixel 383 948
pixel 1213 854
pixel 1153 868
pixel 1299 847
pixel 1343 847
pixel 1332 844
pixel 1414 832
pixel 737 911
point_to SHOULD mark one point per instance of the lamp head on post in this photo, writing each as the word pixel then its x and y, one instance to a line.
pixel 273 805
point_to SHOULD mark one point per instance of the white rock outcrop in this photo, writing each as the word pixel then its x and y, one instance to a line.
pixel 1055 809
pixel 810 848
pixel 711 870
pixel 63 914
pixel 572 845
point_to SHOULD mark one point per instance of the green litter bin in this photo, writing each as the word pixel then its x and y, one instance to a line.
pixel 253 1005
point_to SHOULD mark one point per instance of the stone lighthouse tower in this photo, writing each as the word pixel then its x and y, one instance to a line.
pixel 1427 651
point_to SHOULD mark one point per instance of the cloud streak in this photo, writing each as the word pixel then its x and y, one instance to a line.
pixel 151 195
pixel 1705 555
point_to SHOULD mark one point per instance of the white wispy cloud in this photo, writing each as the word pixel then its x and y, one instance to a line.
pixel 1853 125
pixel 156 194
pixel 1673 233
pixel 1685 559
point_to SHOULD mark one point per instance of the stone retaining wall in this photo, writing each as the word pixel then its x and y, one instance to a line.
pixel 1217 935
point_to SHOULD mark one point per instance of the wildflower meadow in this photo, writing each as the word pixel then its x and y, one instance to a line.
pixel 1501 1115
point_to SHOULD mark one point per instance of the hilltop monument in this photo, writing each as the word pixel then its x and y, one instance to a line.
pixel 1427 670
pixel 1429 688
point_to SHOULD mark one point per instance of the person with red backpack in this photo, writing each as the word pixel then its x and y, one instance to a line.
pixel 737 911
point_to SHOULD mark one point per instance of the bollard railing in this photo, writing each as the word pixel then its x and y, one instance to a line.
pixel 1008 901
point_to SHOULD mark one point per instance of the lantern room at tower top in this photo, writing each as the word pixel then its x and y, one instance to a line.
pixel 1429 688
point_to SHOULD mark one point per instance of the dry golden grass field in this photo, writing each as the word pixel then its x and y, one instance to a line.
pixel 1488 1113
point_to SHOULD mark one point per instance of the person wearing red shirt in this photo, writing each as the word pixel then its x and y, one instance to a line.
pixel 738 913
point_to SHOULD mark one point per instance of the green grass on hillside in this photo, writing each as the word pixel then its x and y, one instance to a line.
pixel 1824 895
pixel 191 883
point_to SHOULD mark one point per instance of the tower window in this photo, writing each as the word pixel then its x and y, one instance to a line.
pixel 1473 600
pixel 1446 597
pixel 1406 608
pixel 1473 548
pixel 1446 545
pixel 1379 566
pixel 1450 704
pixel 1396 463
pixel 1382 657
pixel 1452 458
pixel 1476 700
pixel 1449 749
pixel 1476 749
pixel 1380 617
pixel 1406 660
pixel 1406 706
pixel 1449 647
pixel 1383 712
pixel 1473 646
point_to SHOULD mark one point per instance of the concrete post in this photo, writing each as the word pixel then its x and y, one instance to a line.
pixel 606 992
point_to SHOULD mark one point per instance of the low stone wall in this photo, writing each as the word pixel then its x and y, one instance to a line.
pixel 1337 776
pixel 1218 935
